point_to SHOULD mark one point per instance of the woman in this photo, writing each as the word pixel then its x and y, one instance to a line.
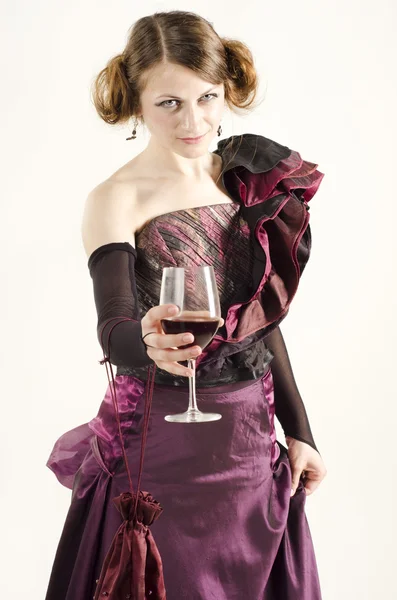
pixel 230 528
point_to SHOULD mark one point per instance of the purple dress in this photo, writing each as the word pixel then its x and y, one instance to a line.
pixel 229 528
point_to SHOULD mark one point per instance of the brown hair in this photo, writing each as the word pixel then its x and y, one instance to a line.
pixel 179 37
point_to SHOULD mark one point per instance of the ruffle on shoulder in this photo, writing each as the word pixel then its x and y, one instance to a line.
pixel 274 191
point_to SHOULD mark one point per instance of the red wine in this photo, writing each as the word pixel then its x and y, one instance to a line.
pixel 202 328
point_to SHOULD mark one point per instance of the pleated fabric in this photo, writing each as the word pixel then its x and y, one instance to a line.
pixel 229 528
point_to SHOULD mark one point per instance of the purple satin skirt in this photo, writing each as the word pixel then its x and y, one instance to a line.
pixel 229 529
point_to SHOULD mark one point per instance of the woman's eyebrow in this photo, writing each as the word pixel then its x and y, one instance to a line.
pixel 177 98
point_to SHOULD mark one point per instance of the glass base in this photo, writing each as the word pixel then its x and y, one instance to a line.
pixel 193 416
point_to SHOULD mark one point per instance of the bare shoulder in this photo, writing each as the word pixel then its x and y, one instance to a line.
pixel 109 213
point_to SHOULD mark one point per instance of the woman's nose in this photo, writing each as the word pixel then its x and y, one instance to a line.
pixel 190 120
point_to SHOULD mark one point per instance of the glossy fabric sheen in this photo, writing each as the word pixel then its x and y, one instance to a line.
pixel 259 245
pixel 229 529
pixel 211 235
pixel 216 235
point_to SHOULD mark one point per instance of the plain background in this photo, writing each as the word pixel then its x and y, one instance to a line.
pixel 327 73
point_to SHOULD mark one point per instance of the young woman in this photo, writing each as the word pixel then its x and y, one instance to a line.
pixel 231 529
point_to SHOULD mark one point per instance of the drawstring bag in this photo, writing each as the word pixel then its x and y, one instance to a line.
pixel 132 568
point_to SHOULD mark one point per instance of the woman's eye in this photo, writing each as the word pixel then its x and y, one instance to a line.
pixel 212 95
pixel 166 104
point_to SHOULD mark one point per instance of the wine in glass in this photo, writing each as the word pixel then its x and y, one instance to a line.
pixel 194 290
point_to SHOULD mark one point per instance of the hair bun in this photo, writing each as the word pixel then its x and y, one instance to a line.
pixel 235 66
pixel 242 72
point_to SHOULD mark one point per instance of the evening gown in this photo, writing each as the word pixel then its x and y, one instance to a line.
pixel 229 529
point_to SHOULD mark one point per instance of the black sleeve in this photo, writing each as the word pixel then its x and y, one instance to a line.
pixel 112 269
pixel 289 407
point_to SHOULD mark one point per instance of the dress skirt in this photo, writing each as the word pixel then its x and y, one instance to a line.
pixel 229 529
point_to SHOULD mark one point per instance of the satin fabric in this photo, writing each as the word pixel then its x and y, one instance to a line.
pixel 229 528
pixel 259 245
pixel 133 568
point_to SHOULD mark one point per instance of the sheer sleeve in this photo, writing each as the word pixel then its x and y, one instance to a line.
pixel 289 407
pixel 112 269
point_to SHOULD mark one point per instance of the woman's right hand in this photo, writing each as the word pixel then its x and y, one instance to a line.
pixel 164 353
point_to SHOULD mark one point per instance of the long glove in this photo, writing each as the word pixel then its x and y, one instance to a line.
pixel 289 407
pixel 112 267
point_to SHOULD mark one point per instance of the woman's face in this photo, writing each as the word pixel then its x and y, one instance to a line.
pixel 177 104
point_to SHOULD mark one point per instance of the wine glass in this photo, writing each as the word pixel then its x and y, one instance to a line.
pixel 194 290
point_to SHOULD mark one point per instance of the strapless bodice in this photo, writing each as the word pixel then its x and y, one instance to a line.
pixel 214 235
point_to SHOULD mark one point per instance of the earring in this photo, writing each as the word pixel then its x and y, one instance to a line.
pixel 133 137
pixel 219 130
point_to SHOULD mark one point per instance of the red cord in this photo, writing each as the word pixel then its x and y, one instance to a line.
pixel 147 409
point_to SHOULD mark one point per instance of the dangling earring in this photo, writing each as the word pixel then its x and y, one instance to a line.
pixel 219 130
pixel 133 131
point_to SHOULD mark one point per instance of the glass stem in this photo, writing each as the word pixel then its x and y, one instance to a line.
pixel 192 386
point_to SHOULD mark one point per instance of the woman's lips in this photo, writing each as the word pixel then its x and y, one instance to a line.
pixel 192 140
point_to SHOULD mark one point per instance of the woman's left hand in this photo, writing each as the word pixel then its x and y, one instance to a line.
pixel 304 458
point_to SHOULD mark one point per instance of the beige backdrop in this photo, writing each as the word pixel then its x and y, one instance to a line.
pixel 328 80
